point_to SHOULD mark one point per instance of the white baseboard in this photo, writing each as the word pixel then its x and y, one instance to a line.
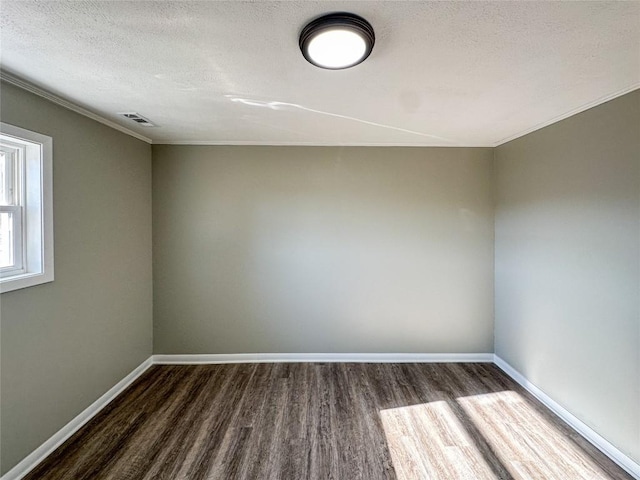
pixel 324 357
pixel 583 429
pixel 40 453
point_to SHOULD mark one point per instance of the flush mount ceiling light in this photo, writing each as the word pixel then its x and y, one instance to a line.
pixel 337 41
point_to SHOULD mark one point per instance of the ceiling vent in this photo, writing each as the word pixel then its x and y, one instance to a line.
pixel 139 119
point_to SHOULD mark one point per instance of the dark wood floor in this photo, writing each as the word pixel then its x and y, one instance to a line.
pixel 326 421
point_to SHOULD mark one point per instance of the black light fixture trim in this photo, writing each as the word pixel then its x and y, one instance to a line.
pixel 339 20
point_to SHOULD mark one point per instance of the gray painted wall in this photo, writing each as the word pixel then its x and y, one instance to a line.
pixel 322 249
pixel 568 265
pixel 66 343
pixel 268 249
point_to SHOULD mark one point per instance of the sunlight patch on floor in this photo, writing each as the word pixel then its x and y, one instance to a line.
pixel 527 443
pixel 428 441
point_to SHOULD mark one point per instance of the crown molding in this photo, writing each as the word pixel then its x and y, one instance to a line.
pixel 29 87
pixel 26 85
pixel 247 143
pixel 568 114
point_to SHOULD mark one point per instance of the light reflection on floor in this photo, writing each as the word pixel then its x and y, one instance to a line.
pixel 526 442
pixel 441 440
pixel 427 442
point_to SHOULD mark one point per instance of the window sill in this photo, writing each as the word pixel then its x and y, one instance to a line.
pixel 25 280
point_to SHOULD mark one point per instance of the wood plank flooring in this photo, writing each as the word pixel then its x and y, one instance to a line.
pixel 331 421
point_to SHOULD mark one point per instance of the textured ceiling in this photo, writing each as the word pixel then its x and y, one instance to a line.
pixel 441 73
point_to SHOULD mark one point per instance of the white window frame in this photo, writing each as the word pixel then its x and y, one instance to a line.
pixel 33 214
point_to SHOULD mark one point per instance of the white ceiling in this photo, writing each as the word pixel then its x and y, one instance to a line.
pixel 441 73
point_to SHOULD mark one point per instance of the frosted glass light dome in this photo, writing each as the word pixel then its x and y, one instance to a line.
pixel 337 41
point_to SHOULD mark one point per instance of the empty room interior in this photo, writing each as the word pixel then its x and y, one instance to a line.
pixel 319 240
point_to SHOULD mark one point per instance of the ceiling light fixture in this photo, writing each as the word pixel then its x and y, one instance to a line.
pixel 337 41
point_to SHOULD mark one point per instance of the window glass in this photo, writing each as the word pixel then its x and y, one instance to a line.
pixel 7 257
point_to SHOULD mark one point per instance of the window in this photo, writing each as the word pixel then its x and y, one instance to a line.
pixel 26 208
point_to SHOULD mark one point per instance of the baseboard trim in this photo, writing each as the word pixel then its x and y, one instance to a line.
pixel 39 454
pixel 583 429
pixel 323 357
